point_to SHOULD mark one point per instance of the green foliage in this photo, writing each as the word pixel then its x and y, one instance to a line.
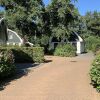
pixel 10 55
pixel 62 13
pixel 44 40
pixel 24 15
pixel 95 73
pixel 1 14
pixel 38 54
pixel 37 22
pixel 78 25
pixel 7 67
pixel 35 40
pixel 93 22
pixel 23 54
pixel 60 32
pixel 92 43
pixel 27 54
pixel 65 50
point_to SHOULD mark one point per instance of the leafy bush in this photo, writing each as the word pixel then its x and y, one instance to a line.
pixel 23 54
pixel 92 43
pixel 7 67
pixel 65 50
pixel 97 51
pixel 44 40
pixel 38 54
pixel 27 54
pixel 95 73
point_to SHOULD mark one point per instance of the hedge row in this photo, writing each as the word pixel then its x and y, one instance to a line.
pixel 7 67
pixel 95 73
pixel 11 55
pixel 27 54
pixel 65 50
pixel 92 43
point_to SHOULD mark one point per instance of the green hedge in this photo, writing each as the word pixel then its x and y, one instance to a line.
pixel 10 55
pixel 38 54
pixel 92 43
pixel 65 50
pixel 27 54
pixel 95 73
pixel 7 67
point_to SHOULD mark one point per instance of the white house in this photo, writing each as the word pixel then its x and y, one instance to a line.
pixel 74 39
pixel 8 36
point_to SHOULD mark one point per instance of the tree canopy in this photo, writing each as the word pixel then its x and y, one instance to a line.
pixel 32 18
pixel 93 22
pixel 37 22
pixel 62 13
pixel 23 15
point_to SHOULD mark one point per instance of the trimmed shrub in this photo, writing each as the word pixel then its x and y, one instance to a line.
pixel 7 67
pixel 95 73
pixel 92 43
pixel 65 50
pixel 28 54
pixel 23 54
pixel 38 54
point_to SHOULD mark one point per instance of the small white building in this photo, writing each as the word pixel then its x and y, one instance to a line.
pixel 74 39
pixel 10 37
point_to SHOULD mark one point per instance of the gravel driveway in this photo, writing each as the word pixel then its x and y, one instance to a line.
pixel 60 78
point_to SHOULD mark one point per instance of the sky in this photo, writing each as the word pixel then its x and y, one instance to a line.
pixel 88 5
pixel 83 5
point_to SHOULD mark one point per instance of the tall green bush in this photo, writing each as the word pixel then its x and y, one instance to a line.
pixel 95 73
pixel 92 43
pixel 38 54
pixel 7 67
pixel 65 50
pixel 27 54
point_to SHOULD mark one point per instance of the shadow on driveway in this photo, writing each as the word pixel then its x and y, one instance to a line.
pixel 22 70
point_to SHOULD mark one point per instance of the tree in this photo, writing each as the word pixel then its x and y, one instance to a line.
pixel 78 25
pixel 32 19
pixel 93 22
pixel 24 16
pixel 62 12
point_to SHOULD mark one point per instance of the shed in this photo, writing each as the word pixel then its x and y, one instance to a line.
pixel 74 40
pixel 8 36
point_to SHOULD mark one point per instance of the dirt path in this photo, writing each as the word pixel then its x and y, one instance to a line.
pixel 61 79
